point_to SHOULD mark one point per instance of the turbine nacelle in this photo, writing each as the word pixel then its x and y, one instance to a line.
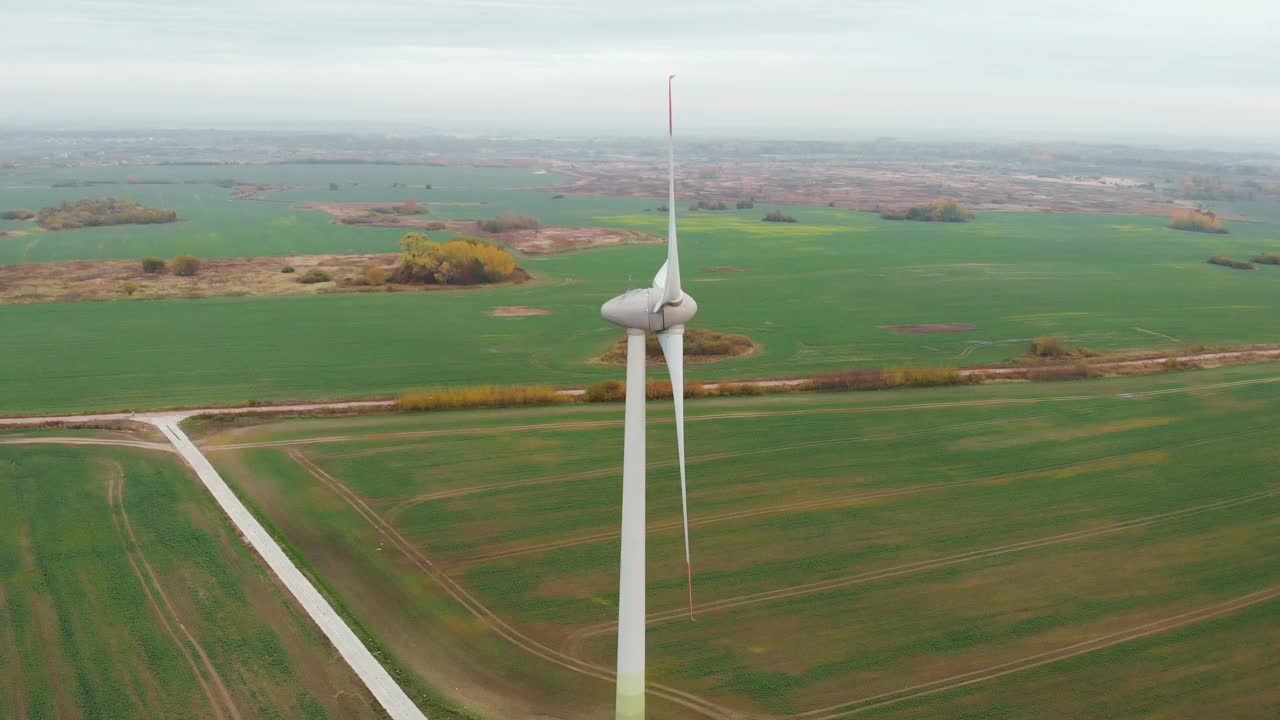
pixel 633 309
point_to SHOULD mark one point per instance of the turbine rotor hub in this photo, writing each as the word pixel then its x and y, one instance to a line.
pixel 632 310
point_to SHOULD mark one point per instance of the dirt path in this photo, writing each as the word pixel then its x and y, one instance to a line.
pixel 1101 642
pixel 483 613
pixel 167 615
pixel 574 642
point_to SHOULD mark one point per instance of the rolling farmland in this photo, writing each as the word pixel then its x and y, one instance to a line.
pixel 1105 282
pixel 123 593
pixel 956 552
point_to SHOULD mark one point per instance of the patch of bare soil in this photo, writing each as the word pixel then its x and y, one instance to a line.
pixel 92 280
pixel 517 311
pixel 930 328
pixel 251 192
pixel 536 241
pixel 700 346
pixel 726 269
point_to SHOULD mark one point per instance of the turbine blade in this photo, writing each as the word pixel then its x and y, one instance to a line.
pixel 672 342
pixel 668 277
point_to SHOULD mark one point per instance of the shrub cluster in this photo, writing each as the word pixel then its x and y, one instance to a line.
pixel 488 396
pixel 460 261
pixel 1267 259
pixel 314 275
pixel 709 205
pixel 616 391
pixel 185 265
pixel 778 216
pixel 152 265
pixel 746 204
pixel 698 343
pixel 1049 346
pixel 97 212
pixel 1197 221
pixel 509 221
pixel 889 378
pixel 22 214
pixel 942 210
pixel 1228 262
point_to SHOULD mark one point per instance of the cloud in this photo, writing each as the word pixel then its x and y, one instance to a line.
pixel 852 66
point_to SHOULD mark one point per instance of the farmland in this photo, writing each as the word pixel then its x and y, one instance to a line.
pixel 857 554
pixel 123 593
pixel 822 294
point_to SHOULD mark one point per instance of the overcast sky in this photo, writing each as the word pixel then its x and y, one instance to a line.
pixel 1077 69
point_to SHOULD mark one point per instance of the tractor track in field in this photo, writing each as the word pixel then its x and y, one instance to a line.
pixel 574 643
pixel 163 608
pixel 1102 642
pixel 53 440
pixel 467 561
pixel 482 613
pixel 403 505
pixel 591 424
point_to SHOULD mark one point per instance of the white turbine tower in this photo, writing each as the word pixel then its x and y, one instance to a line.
pixel 663 308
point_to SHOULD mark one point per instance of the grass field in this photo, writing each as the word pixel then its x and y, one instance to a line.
pixel 1083 550
pixel 123 594
pixel 819 295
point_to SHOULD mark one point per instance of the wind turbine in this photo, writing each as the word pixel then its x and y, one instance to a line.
pixel 663 308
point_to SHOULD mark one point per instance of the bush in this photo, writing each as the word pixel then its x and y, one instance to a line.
pixel 889 378
pixel 607 391
pixel 185 265
pixel 313 276
pixel 129 287
pixel 1049 346
pixel 509 221
pixel 152 265
pixel 708 205
pixel 488 396
pixel 942 210
pixel 661 390
pixel 1197 221
pixel 1267 259
pixel 17 214
pixel 738 389
pixel 1079 371
pixel 99 212
pixel 460 261
pixel 436 226
pixel 746 204
pixel 1228 262
pixel 333 186
pixel 375 275
pixel 778 216
pixel 287 269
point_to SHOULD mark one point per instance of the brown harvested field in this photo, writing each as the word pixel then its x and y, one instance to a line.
pixel 544 240
pixel 931 328
pixel 92 280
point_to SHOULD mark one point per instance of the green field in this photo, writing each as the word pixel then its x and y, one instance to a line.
pixel 818 295
pixel 124 594
pixel 1056 544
